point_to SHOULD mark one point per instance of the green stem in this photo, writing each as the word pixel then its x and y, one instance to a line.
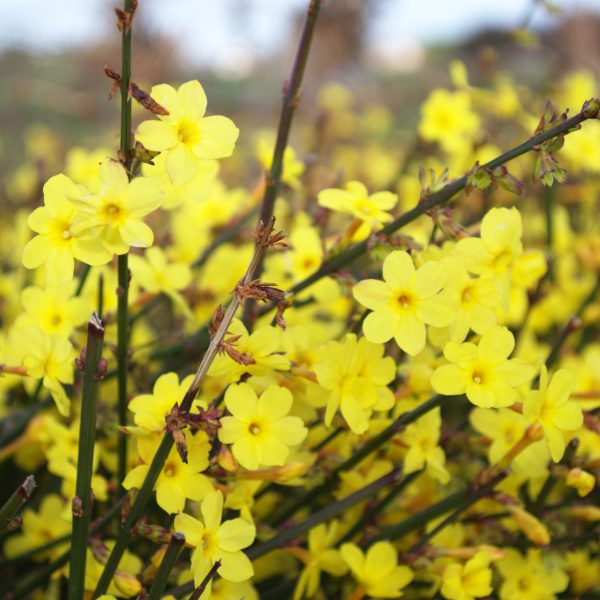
pixel 358 456
pixel 372 511
pixel 166 444
pixel 16 501
pixel 291 99
pixel 166 566
pixel 572 326
pixel 337 262
pixel 85 271
pixel 122 339
pixel 31 583
pixel 123 270
pixel 204 583
pixel 474 494
pixel 82 502
pixel 322 516
pixel 461 499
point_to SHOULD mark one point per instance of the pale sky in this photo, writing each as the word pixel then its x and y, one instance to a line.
pixel 206 27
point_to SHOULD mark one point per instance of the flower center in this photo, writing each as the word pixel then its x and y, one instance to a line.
pixel 477 377
pixel 66 235
pixel 254 428
pixel 467 294
pixel 188 133
pixel 404 301
pixel 170 469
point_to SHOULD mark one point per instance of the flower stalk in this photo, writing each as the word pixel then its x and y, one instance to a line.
pixel 124 25
pixel 82 502
pixel 10 509
pixel 166 566
pixel 146 491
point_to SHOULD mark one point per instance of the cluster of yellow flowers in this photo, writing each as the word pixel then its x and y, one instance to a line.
pixel 428 417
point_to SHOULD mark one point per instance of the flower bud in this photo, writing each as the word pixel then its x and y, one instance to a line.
pixel 581 480
pixel 534 529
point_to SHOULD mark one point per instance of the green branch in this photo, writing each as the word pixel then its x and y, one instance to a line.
pixel 166 566
pixel 123 259
pixel 145 492
pixel 82 502
pixel 16 501
pixel 291 99
pixel 358 456
pixel 337 262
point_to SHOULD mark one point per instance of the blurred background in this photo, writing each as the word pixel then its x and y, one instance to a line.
pixel 393 52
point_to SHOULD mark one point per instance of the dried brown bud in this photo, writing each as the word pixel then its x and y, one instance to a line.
pixel 125 17
pixel 258 291
pixel 80 362
pixel 136 93
pixel 216 321
pixel 77 507
pixel 102 369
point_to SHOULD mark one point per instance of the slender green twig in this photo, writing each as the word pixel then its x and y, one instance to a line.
pixel 164 448
pixel 36 579
pixel 337 262
pixel 82 502
pixel 460 499
pixel 474 495
pixel 353 252
pixel 83 275
pixel 122 360
pixel 358 456
pixel 166 566
pixel 123 259
pixel 326 514
pixel 372 511
pixel 572 325
pixel 291 98
pixel 100 300
pixel 204 583
pixel 16 501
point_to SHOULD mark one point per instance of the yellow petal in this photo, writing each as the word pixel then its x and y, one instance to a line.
pixel 218 136
pixel 181 165
pixel 192 100
pixel 399 270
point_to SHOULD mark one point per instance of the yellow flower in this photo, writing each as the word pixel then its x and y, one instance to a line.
pixel 177 480
pixel 530 576
pixel 150 410
pixel 355 200
pixel 40 527
pixel 320 556
pixel 483 372
pixel 292 168
pixel 378 572
pixel 259 428
pixel 215 541
pixel 263 346
pixel 421 439
pixel 447 118
pixel 54 309
pixel 550 406
pixel 494 253
pixel 468 581
pixel 505 428
pixel 406 301
pixel 185 134
pixel 156 275
pixel 62 238
pixel 356 375
pixel 475 297
pixel 47 357
pixel 115 211
pixel 581 480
